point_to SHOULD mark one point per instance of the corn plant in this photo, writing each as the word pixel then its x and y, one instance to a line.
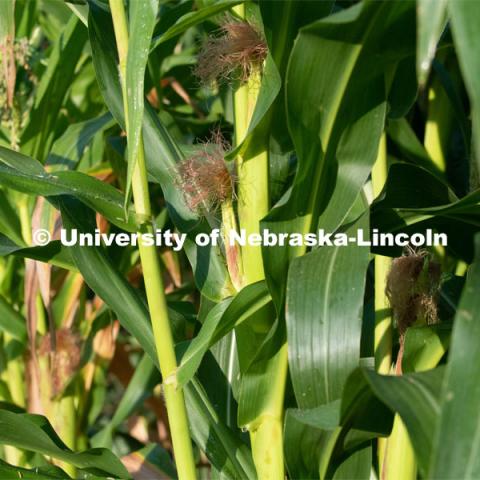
pixel 195 122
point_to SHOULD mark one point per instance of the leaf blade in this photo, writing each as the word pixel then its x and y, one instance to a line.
pixel 457 439
pixel 143 15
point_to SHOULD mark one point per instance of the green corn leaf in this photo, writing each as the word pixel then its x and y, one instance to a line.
pixel 39 132
pixel 431 20
pixel 53 253
pixel 34 433
pixel 224 354
pixel 336 115
pixel 403 90
pixel 7 21
pixel 221 320
pixel 456 440
pixel 401 208
pixel 265 367
pixel 191 19
pixel 80 10
pixel 230 456
pixel 401 132
pixel 67 150
pixel 325 417
pixel 324 300
pixel 12 321
pixel 326 439
pixel 25 174
pixel 452 86
pixel 11 472
pixel 357 466
pixel 415 397
pixel 398 194
pixel 425 346
pixel 310 443
pixel 143 14
pixel 282 20
pixel 328 417
pixel 26 19
pixel 326 306
pixel 464 17
pixel 9 221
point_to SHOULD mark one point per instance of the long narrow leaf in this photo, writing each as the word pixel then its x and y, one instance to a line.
pixel 103 277
pixel 34 433
pixel 143 14
pixel 324 313
pixel 457 439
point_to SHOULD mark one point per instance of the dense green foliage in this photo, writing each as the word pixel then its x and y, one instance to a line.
pixel 330 362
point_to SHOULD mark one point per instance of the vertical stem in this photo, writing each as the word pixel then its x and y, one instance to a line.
pixel 399 458
pixel 25 216
pixel 396 457
pixel 266 431
pixel 383 320
pixel 252 171
pixel 157 304
pixel 63 416
pixel 252 207
pixel 399 461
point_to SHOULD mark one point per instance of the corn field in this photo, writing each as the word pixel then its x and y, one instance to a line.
pixel 183 289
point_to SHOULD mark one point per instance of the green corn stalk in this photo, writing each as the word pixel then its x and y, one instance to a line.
pixel 252 174
pixel 399 457
pixel 153 280
pixel 252 171
pixel 383 319
pixel 396 456
pixel 253 204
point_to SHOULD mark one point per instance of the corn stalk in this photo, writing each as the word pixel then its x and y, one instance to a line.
pixel 266 431
pixel 157 304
